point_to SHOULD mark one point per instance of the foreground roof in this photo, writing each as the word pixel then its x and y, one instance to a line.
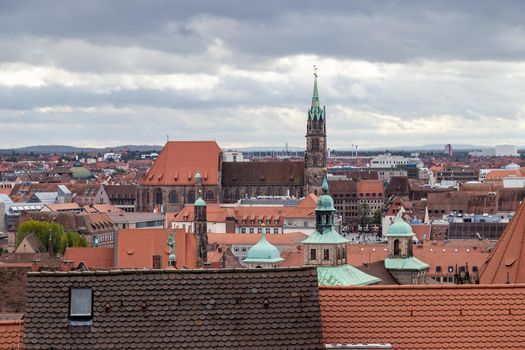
pixel 426 317
pixel 506 263
pixel 179 309
pixel 11 330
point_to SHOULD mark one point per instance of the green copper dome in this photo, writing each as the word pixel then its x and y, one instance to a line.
pixel 263 252
pixel 400 229
pixel 200 202
pixel 325 201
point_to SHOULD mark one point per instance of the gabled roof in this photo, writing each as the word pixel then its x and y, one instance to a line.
pixel 30 244
pixel 93 258
pixel 506 263
pixel 179 161
pixel 179 309
pixel 426 316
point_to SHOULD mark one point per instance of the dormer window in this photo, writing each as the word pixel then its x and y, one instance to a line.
pixel 80 306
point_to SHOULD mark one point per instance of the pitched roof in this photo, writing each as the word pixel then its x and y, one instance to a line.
pixel 305 208
pixel 370 186
pixel 179 161
pixel 506 263
pixel 344 275
pixel 214 213
pixel 137 247
pixel 30 244
pixel 291 238
pixel 179 309
pixel 263 173
pixel 377 269
pixel 93 258
pixel 121 191
pixel 426 316
pixel 11 333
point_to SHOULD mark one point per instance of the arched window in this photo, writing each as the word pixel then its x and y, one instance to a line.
pixel 191 196
pixel 397 251
pixel 209 195
pixel 172 197
pixel 158 196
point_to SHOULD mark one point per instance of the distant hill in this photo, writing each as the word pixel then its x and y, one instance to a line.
pixel 73 149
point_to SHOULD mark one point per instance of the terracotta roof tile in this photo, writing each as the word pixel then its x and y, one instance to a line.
pixel 179 309
pixel 291 238
pixel 426 317
pixel 94 258
pixel 506 263
pixel 179 161
pixel 11 332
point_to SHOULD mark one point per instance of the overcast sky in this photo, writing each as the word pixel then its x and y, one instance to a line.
pixel 391 73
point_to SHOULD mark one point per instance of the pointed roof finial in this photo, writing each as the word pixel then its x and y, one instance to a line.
pixel 315 96
pixel 324 186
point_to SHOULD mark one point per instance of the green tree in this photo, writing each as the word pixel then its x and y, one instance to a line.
pixel 45 230
pixel 364 214
pixel 377 217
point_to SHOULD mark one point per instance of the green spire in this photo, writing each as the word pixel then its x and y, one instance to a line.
pixel 200 202
pixel 315 112
pixel 324 186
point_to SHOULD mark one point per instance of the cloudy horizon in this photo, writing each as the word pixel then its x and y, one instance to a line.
pixel 396 73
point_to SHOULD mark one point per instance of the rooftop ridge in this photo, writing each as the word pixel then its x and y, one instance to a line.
pixel 162 271
pixel 427 286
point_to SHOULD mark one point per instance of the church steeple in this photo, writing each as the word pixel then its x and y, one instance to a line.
pixel 316 151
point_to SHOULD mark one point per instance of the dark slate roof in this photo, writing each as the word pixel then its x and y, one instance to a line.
pixel 178 309
pixel 121 191
pixel 377 269
pixel 280 173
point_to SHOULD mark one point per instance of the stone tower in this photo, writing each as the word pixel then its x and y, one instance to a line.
pixel 316 151
pixel 201 229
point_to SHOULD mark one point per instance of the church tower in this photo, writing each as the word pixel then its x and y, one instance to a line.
pixel 316 152
pixel 201 230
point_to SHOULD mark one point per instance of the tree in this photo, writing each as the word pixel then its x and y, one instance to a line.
pixel 364 214
pixel 377 217
pixel 45 230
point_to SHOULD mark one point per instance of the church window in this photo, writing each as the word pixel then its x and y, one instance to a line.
pixel 191 196
pixel 313 254
pixel 397 251
pixel 158 196
pixel 172 197
pixel 326 254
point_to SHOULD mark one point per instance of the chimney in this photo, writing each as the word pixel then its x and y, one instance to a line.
pixel 35 266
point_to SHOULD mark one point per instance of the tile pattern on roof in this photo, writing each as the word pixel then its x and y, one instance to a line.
pixel 11 332
pixel 506 263
pixel 426 317
pixel 184 309
pixel 282 173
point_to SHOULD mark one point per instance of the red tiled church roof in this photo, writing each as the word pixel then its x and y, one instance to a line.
pixel 425 317
pixel 179 161
pixel 506 263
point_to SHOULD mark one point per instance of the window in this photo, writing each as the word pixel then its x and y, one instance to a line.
pixel 275 230
pixel 267 222
pixel 244 249
pixel 313 254
pixel 462 269
pixel 438 269
pixel 243 229
pixel 326 254
pixel 267 230
pixel 474 269
pixel 276 222
pixel 172 197
pixel 451 269
pixel 260 222
pixel 305 224
pixel 80 303
pixel 244 222
pixel 252 221
pixel 259 230
pixel 251 230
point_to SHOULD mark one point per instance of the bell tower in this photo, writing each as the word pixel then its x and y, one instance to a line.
pixel 316 152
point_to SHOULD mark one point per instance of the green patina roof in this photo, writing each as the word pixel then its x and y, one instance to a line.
pixel 200 202
pixel 328 236
pixel 263 252
pixel 325 201
pixel 400 229
pixel 315 112
pixel 344 275
pixel 80 172
pixel 405 264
